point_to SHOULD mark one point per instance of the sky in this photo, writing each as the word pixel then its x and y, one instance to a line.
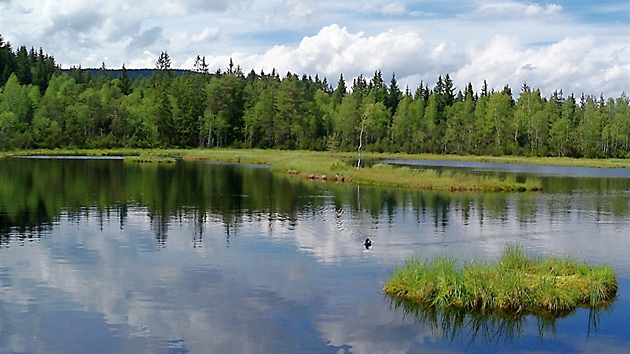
pixel 575 45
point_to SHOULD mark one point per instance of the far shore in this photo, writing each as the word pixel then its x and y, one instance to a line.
pixel 341 166
pixel 524 160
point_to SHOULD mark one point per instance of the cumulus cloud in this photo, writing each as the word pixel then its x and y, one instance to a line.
pixel 574 64
pixel 544 44
pixel 335 50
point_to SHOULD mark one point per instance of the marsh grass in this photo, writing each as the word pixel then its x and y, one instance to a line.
pixel 394 176
pixel 340 167
pixel 516 283
pixel 150 159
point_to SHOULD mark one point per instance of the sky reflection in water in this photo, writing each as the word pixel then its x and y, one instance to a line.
pixel 101 256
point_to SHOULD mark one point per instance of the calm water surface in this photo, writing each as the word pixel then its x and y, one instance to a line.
pixel 104 256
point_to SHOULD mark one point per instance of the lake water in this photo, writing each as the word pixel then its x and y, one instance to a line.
pixel 103 256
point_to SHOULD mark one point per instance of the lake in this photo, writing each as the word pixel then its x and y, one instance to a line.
pixel 107 256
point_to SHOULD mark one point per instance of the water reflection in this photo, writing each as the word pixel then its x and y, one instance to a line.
pixel 35 192
pixel 489 328
pixel 191 256
pixel 538 170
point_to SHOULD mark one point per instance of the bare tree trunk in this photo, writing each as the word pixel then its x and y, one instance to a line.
pixel 360 146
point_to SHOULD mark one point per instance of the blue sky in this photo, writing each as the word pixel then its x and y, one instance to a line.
pixel 579 46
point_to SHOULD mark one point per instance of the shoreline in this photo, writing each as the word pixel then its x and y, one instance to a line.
pixel 337 166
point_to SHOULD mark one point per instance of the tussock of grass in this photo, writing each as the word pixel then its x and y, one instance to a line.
pixel 517 282
pixel 150 159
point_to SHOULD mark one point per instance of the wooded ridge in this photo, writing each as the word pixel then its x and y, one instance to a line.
pixel 42 106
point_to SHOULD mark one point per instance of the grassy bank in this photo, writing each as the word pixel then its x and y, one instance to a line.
pixel 521 160
pixel 517 282
pixel 265 155
pixel 328 166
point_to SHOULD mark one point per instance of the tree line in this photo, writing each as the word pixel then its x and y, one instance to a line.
pixel 43 107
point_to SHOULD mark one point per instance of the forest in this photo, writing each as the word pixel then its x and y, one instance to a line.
pixel 42 106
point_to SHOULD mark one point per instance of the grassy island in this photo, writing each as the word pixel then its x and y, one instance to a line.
pixel 340 167
pixel 517 283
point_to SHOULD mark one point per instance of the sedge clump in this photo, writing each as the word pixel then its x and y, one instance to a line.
pixel 517 282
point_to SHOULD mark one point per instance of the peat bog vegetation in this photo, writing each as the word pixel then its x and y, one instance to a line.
pixel 322 166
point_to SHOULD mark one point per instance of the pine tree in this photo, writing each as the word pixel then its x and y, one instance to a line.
pixel 394 96
pixel 124 82
pixel 164 62
pixel 340 91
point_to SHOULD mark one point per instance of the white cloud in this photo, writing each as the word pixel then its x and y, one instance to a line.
pixel 513 9
pixel 207 34
pixel 536 10
pixel 334 50
pixel 574 64
pixel 301 13
pixel 395 8
pixel 501 41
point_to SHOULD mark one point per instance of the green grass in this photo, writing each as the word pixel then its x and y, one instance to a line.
pixel 150 159
pixel 517 282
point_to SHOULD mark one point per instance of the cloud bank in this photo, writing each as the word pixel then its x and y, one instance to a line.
pixel 573 46
pixel 578 64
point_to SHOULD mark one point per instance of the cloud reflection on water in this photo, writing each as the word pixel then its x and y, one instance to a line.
pixel 249 279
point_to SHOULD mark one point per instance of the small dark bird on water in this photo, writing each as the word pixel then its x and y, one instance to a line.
pixel 367 243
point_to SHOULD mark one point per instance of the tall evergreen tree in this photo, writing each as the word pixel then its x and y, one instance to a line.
pixel 394 96
pixel 124 82
pixel 340 91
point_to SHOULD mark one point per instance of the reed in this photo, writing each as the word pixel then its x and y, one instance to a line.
pixel 517 282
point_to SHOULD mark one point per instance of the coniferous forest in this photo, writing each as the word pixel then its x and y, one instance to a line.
pixel 42 106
